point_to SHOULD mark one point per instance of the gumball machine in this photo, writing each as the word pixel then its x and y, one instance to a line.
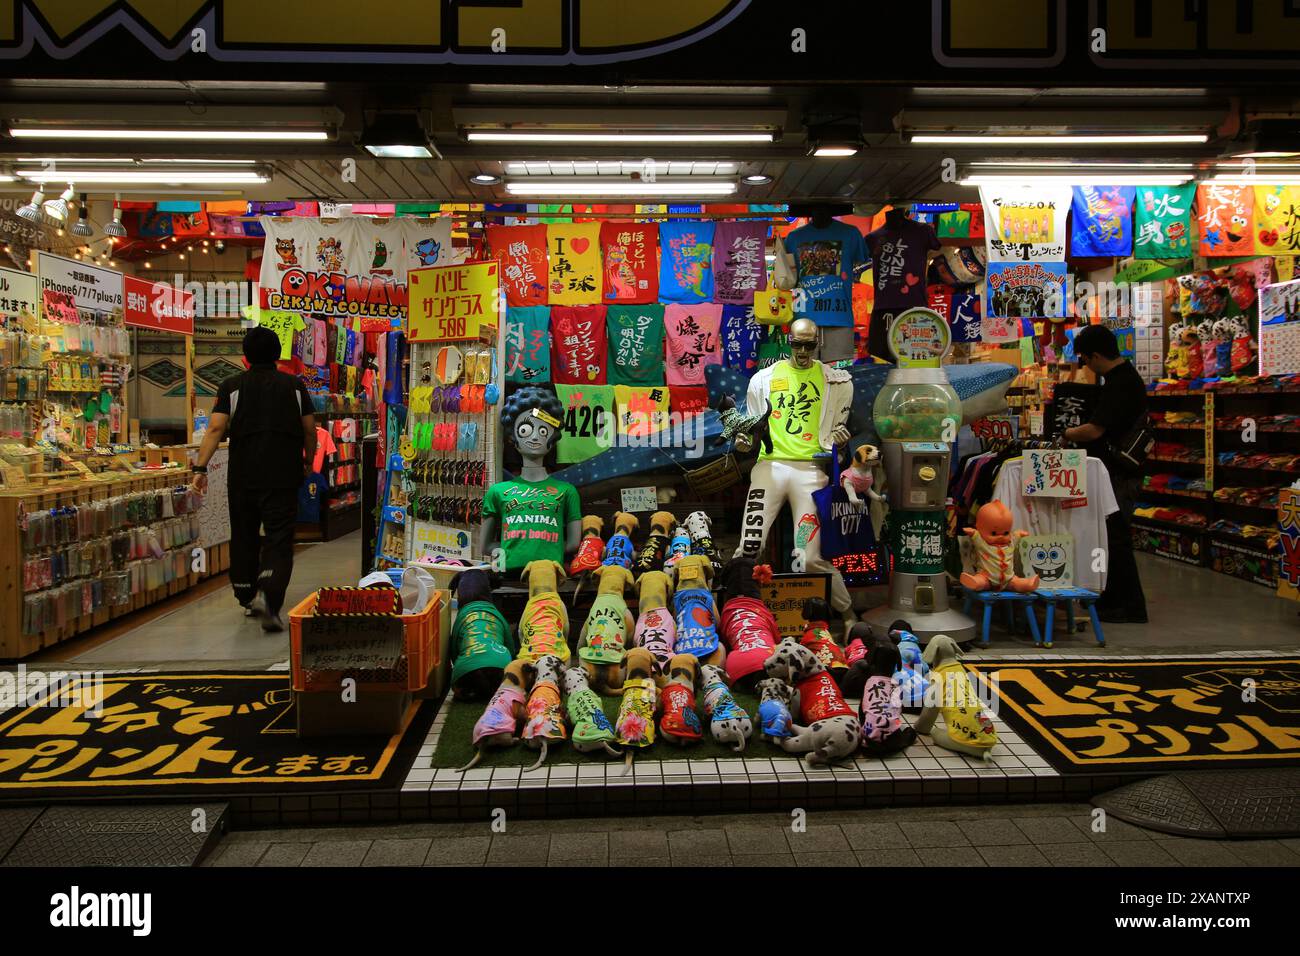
pixel 917 415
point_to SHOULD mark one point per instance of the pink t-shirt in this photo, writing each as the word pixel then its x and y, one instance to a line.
pixel 656 631
pixel 692 341
pixel 749 630
pixel 318 334
pixel 499 716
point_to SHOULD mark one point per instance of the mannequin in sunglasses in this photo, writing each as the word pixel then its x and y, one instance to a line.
pixel 531 517
pixel 810 412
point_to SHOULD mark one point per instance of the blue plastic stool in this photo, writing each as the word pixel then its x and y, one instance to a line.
pixel 1069 595
pixel 1009 599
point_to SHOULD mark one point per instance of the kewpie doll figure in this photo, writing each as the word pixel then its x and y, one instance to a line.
pixel 995 552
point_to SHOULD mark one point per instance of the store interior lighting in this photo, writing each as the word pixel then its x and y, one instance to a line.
pixel 162 177
pixel 593 188
pixel 57 209
pixel 32 210
pixel 192 134
pixel 1074 179
pixel 82 226
pixel 398 136
pixel 557 136
pixel 622 167
pixel 1055 139
pixel 114 228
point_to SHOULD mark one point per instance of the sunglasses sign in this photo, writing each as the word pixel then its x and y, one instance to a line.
pixel 449 303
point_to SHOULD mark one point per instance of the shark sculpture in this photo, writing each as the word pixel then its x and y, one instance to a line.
pixel 982 389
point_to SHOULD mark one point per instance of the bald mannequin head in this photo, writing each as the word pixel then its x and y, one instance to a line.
pixel 803 343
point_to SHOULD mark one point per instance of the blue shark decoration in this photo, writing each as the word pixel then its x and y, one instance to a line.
pixel 982 389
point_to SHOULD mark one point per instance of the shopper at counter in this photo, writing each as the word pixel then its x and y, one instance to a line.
pixel 268 417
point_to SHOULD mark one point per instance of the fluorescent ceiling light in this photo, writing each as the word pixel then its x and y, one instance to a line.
pixel 1266 180
pixel 400 151
pixel 621 167
pixel 757 179
pixel 542 136
pixel 6 179
pixel 1064 139
pixel 1074 164
pixel 1253 165
pixel 1026 91
pixel 484 179
pixel 1120 179
pixel 835 151
pixel 176 177
pixel 217 135
pixel 525 187
pixel 93 161
pixel 1272 155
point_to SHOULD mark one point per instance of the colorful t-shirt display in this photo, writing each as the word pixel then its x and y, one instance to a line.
pixel 1226 215
pixel 636 344
pixel 534 517
pixel 898 260
pixel 824 259
pixel 588 427
pixel 1026 223
pixel 692 333
pixel 500 715
pixel 679 718
pixel 528 345
pixel 741 335
pixel 635 725
pixel 796 411
pixel 521 251
pixel 630 255
pixel 285 325
pixel 820 699
pixel 575 275
pixel 1102 221
pixel 578 349
pixel 541 628
pixel 739 263
pixel 642 410
pixel 1163 222
pixel 686 261
pixel 1277 221
pixel 750 631
pixel 697 629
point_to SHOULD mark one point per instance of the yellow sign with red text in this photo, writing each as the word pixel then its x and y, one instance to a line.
pixel 450 303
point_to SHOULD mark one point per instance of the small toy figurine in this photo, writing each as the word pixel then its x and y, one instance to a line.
pixel 860 475
pixel 995 552
pixel 700 529
pixel 735 423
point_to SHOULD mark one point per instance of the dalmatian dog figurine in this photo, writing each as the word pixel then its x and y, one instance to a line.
pixel 830 730
pixel 729 723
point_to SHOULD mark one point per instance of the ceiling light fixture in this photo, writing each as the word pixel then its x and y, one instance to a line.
pixel 32 211
pixel 1171 179
pixel 115 229
pixel 1076 164
pixel 622 167
pixel 398 136
pixel 484 179
pixel 205 135
pixel 82 226
pixel 526 187
pixel 57 209
pixel 544 136
pixel 1265 180
pixel 165 177
pixel 1061 139
pixel 756 179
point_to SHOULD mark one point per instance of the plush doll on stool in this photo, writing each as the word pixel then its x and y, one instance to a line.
pixel 995 552
pixel 967 726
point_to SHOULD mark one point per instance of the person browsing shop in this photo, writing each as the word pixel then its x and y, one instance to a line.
pixel 1121 407
pixel 269 419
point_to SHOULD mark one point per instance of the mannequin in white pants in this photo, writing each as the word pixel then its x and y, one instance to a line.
pixel 822 416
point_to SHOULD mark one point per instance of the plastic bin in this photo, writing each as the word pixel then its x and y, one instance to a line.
pixel 422 648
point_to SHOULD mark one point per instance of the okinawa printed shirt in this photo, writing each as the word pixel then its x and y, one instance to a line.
pixel 544 717
pixel 881 711
pixel 820 699
pixel 541 629
pixel 739 262
pixel 630 254
pixel 578 350
pixel 693 334
pixel 679 717
pixel 719 704
pixel 636 344
pixel 528 345
pixel 590 725
pixel 749 630
pixel 774 718
pixel 481 638
pixel 606 630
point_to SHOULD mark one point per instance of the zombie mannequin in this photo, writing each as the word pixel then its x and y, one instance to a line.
pixel 532 517
pixel 810 410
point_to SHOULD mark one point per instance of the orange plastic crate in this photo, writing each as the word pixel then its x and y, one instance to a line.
pixel 423 646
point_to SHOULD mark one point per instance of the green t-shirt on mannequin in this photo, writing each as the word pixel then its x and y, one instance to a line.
pixel 533 516
pixel 796 412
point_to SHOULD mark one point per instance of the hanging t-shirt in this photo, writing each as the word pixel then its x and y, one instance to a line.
pixel 1026 223
pixel 1163 222
pixel 636 344
pixel 1102 224
pixel 898 262
pixel 964 317
pixel 1226 215
pixel 521 251
pixel 685 261
pixel 534 517
pixel 631 262
pixel 739 263
pixel 575 276
pixel 578 345
pixel 528 345
pixel 588 425
pixel 741 335
pixel 796 412
pixel 642 410
pixel 693 341
pixel 825 259
pixel 285 325
pixel 324 446
pixel 685 400
pixel 1277 226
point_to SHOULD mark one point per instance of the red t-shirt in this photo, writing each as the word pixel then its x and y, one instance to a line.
pixel 749 631
pixel 817 638
pixel 820 698
pixel 679 716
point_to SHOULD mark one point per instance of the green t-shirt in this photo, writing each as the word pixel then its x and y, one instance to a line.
pixel 534 517
pixel 480 638
pixel 796 411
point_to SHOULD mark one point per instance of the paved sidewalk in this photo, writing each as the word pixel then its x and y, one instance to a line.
pixel 1017 835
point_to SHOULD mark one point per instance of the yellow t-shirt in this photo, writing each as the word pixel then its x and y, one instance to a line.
pixel 796 411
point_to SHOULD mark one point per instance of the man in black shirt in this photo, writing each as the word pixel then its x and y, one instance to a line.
pixel 1122 405
pixel 269 419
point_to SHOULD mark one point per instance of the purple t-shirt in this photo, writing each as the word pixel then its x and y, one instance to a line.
pixel 739 266
pixel 898 262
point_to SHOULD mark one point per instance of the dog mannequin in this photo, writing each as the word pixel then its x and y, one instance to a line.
pixel 832 730
pixel 678 721
pixel 748 628
pixel 500 719
pixel 862 644
pixel 590 548
pixel 618 549
pixel 881 710
pixel 635 727
pixel 678 548
pixel 700 529
pixel 729 723
pixel 696 611
pixel 911 676
pixel 995 552
pixel 482 642
pixel 817 638
pixel 776 699
pixel 860 476
pixel 544 715
pixel 967 727
pixel 655 549
pixel 606 631
pixel 544 626
pixel 656 626
pixel 592 730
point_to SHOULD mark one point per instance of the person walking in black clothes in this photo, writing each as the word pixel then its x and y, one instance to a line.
pixel 1123 403
pixel 271 424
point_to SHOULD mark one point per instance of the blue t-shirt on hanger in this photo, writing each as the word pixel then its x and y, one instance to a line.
pixel 824 259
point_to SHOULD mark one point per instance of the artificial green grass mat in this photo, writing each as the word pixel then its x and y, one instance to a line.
pixel 455 748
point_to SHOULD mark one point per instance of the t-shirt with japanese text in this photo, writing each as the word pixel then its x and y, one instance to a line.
pixel 642 410
pixel 1026 223
pixel 528 345
pixel 739 264
pixel 636 344
pixel 741 335
pixel 575 275
pixel 578 344
pixel 898 262
pixel 686 261
pixel 285 325
pixel 796 396
pixel 693 333
pixel 1227 219
pixel 630 254
pixel 534 517
pixel 1102 221
pixel 587 428
pixel 685 400
pixel 521 251
pixel 824 259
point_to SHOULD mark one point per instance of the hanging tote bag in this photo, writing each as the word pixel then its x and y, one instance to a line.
pixel 845 530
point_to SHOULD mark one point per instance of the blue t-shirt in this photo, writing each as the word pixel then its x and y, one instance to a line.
pixel 825 259
pixel 1102 224
pixel 686 261
pixel 741 335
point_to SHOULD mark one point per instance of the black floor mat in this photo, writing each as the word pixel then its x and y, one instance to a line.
pixel 14 822
pixel 1212 804
pixel 176 834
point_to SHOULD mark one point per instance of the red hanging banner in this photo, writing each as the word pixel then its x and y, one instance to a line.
pixel 157 306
